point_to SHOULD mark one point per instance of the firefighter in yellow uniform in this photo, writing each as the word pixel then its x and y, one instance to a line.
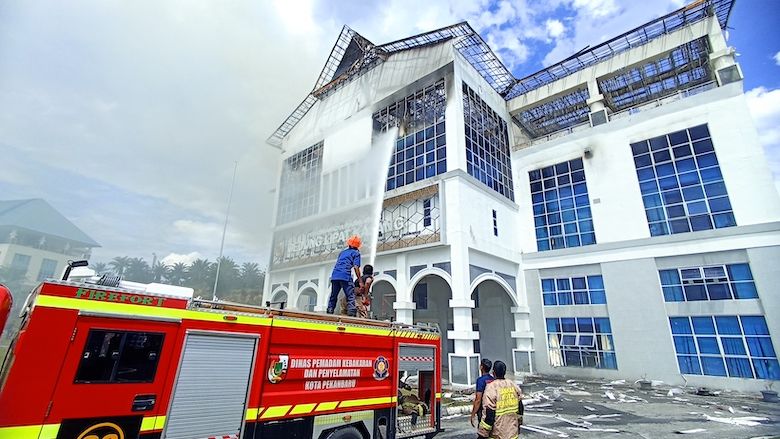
pixel 502 405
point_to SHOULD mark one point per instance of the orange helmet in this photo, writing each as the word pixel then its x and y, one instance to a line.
pixel 354 241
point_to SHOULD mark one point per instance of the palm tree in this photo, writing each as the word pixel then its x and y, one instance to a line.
pixel 160 272
pixel 201 276
pixel 251 276
pixel 100 267
pixel 119 264
pixel 228 274
pixel 138 270
pixel 178 274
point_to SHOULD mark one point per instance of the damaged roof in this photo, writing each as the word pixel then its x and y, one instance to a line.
pixel 353 55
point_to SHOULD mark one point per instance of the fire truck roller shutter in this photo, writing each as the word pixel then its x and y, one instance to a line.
pixel 210 394
pixel 416 358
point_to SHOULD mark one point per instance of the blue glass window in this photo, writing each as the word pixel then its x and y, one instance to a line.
pixel 422 152
pixel 682 187
pixel 727 346
pixel 718 282
pixel 487 145
pixel 561 206
pixel 583 290
pixel 581 342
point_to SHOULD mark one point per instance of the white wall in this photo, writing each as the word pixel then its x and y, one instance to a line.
pixel 611 175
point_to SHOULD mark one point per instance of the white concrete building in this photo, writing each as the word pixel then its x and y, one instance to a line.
pixel 610 216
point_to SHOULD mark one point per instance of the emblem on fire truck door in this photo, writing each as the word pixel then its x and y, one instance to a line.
pixel 105 430
pixel 115 427
pixel 381 368
pixel 277 369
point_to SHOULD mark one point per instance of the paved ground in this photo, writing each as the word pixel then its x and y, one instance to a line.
pixel 641 414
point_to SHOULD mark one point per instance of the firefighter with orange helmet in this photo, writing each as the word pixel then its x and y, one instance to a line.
pixel 341 277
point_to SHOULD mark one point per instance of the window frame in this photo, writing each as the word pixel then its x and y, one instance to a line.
pixel 116 363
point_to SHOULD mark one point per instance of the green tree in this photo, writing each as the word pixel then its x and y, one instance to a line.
pixel 179 274
pixel 99 267
pixel 228 275
pixel 201 277
pixel 251 276
pixel 119 264
pixel 160 272
pixel 138 270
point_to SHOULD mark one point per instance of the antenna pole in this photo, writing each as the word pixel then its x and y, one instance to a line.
pixel 224 229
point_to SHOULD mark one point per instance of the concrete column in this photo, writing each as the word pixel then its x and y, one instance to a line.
pixel 404 311
pixel 404 305
pixel 462 335
pixel 596 99
pixel 323 289
pixel 292 290
pixel 455 129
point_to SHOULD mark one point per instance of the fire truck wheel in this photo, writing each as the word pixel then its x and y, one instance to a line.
pixel 345 433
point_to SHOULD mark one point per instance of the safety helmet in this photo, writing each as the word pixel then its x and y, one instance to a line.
pixel 354 241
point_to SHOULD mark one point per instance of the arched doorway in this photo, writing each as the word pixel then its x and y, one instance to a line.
pixel 278 300
pixel 382 303
pixel 431 295
pixel 492 318
pixel 307 300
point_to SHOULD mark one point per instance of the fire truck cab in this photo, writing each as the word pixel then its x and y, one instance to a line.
pixel 104 359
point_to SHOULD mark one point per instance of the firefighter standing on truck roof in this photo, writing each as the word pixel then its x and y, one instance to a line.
pixel 503 405
pixel 341 278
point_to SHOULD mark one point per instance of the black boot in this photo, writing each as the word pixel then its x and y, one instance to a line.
pixel 352 313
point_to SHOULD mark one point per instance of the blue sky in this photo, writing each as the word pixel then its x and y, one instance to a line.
pixel 128 116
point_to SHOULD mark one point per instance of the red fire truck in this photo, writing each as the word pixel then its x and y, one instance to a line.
pixel 105 359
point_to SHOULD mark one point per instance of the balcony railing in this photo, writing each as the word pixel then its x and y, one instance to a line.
pixel 674 97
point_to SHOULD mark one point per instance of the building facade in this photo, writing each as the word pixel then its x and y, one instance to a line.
pixel 609 216
pixel 36 242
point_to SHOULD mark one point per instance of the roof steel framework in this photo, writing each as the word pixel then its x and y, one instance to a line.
pixel 352 55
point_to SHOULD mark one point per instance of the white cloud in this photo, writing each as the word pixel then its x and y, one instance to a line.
pixel 765 108
pixel 508 46
pixel 597 8
pixel 595 21
pixel 186 259
pixel 554 28
pixel 777 58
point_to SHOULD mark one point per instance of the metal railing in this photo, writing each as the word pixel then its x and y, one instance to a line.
pixel 674 97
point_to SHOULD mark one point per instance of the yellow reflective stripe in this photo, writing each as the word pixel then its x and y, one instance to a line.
pixel 485 426
pixel 142 310
pixel 394 399
pixel 159 423
pixel 323 406
pixel 341 418
pixel 251 414
pixel 147 424
pixel 367 401
pixel 438 395
pixel 275 412
pixel 329 327
pixel 49 431
pixel 302 408
pixel 46 431
pixel 506 411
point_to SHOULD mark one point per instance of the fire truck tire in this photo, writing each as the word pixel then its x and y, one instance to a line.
pixel 345 433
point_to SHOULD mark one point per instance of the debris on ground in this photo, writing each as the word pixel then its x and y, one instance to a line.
pixel 544 430
pixel 746 421
pixel 692 431
pixel 604 430
pixel 674 391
